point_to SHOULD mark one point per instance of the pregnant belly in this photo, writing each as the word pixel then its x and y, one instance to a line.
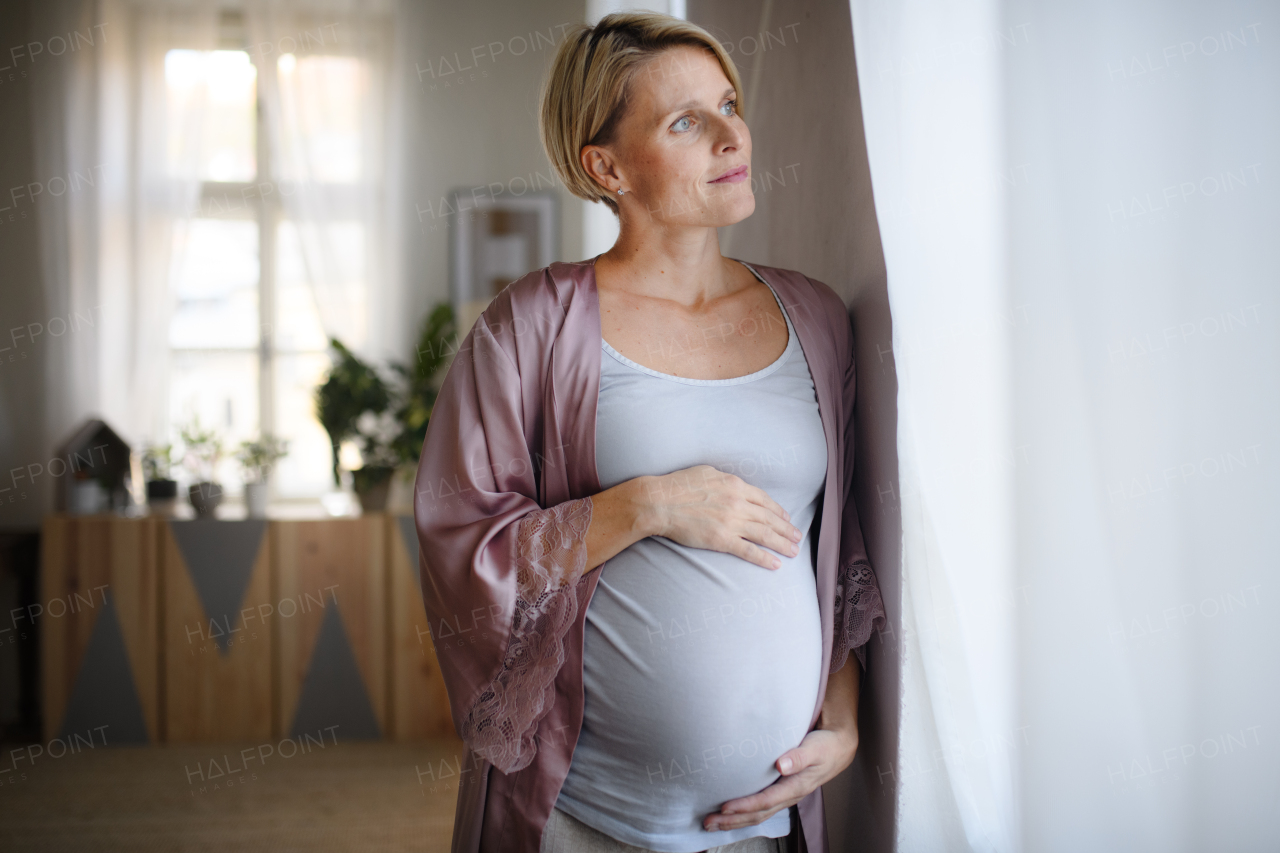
pixel 700 669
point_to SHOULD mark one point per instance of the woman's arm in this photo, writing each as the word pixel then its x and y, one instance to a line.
pixel 700 507
pixel 840 707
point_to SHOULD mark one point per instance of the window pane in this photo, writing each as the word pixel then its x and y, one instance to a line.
pixel 321 99
pixel 215 284
pixel 307 470
pixel 212 97
pixel 222 390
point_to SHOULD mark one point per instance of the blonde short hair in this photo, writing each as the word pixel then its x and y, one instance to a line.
pixel 584 92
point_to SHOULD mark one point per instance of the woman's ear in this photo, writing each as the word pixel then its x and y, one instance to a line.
pixel 602 168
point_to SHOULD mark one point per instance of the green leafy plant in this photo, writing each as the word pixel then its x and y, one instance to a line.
pixel 388 420
pixel 436 342
pixel 351 389
pixel 157 459
pixel 201 450
pixel 258 457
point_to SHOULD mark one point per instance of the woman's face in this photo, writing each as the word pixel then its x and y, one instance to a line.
pixel 681 151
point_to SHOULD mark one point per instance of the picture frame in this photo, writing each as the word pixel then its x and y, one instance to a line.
pixel 495 241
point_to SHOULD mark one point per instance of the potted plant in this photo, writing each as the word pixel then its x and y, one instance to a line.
pixel 257 458
pixel 352 389
pixel 202 450
pixel 386 421
pixel 162 492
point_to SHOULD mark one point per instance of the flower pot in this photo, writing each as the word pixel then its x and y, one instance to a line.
pixel 88 498
pixel 162 497
pixel 374 499
pixel 205 498
pixel 255 500
pixel 373 485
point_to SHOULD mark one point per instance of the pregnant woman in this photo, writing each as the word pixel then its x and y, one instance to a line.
pixel 641 560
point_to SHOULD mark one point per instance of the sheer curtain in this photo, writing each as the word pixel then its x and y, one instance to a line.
pixel 100 117
pixel 1079 234
pixel 933 128
pixel 332 160
pixel 325 82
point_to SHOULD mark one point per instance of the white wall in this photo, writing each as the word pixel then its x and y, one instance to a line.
pixel 474 127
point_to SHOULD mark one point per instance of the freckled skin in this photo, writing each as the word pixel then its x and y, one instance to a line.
pixel 689 311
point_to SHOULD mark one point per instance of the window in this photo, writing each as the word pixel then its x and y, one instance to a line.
pixel 246 337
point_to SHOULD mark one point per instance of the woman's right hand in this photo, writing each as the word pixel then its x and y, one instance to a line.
pixel 703 507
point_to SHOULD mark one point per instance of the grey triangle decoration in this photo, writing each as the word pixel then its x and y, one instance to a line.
pixel 104 706
pixel 333 693
pixel 409 533
pixel 220 557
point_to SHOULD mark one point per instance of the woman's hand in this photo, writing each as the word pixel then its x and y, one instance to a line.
pixel 820 757
pixel 817 760
pixel 703 507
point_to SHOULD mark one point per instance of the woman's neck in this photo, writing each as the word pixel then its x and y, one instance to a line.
pixel 683 265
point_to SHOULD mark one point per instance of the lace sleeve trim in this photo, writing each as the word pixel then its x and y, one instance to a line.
pixel 550 555
pixel 858 611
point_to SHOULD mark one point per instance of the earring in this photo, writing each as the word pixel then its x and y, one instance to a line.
pixel 622 192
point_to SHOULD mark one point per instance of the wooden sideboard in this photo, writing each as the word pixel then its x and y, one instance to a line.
pixel 165 631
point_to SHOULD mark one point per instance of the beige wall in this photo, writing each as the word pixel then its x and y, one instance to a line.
pixel 814 214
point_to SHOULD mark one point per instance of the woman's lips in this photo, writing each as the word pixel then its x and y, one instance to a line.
pixel 732 177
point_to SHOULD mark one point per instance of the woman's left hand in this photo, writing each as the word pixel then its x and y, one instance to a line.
pixel 817 760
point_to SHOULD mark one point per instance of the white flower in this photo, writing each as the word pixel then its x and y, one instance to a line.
pixel 381 429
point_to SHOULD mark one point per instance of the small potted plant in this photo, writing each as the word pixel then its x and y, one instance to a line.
pixel 202 450
pixel 162 492
pixel 354 390
pixel 257 458
pixel 385 420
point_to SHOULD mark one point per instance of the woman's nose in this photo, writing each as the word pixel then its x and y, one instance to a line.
pixel 729 136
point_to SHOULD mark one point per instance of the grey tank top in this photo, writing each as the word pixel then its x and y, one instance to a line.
pixel 699 668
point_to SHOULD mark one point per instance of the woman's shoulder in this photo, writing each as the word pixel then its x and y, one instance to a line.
pixel 810 296
pixel 534 306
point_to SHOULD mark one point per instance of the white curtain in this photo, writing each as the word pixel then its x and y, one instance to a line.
pixel 934 139
pixel 107 242
pixel 1079 227
pixel 337 189
pixel 63 130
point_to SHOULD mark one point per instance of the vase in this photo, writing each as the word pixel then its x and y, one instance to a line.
pixel 205 498
pixel 88 498
pixel 255 500
pixel 162 497
pixel 374 499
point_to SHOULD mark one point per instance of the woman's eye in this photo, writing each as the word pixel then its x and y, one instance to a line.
pixel 681 124
pixel 729 108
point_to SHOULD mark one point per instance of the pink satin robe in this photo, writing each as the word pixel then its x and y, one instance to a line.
pixel 502 508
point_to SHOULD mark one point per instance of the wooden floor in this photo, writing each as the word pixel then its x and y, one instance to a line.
pixel 372 796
